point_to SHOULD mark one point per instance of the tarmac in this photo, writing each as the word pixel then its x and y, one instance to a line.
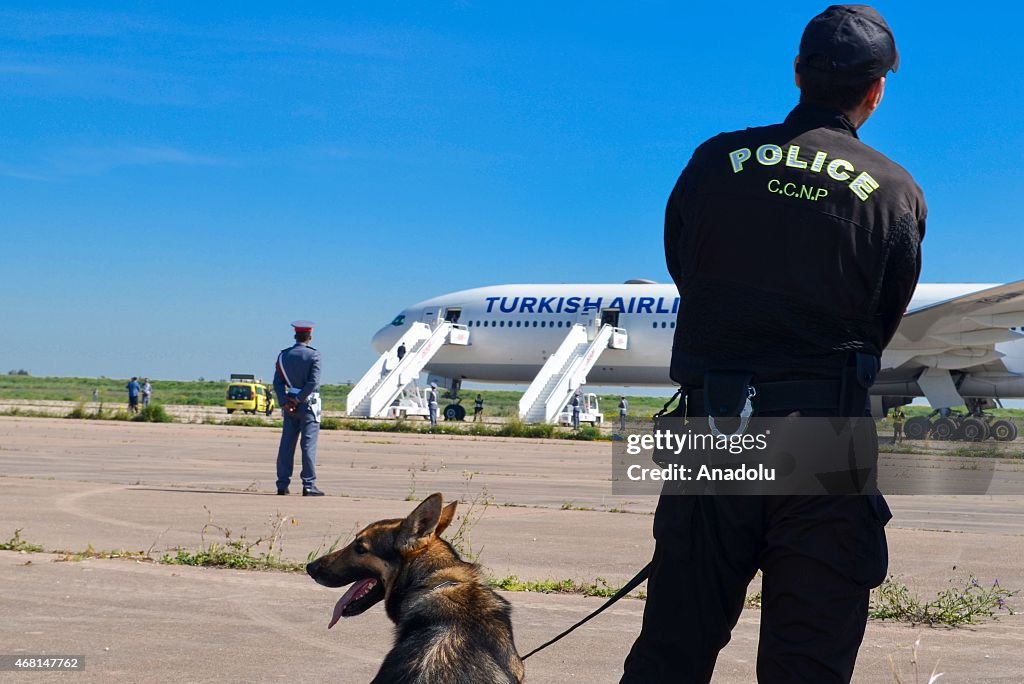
pixel 538 509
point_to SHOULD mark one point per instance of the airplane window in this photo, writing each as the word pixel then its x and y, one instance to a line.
pixel 519 324
pixel 399 320
pixel 673 324
pixel 535 324
pixel 654 325
pixel 664 324
pixel 502 324
pixel 559 324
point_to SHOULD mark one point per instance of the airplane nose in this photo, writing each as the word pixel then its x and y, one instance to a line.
pixel 385 338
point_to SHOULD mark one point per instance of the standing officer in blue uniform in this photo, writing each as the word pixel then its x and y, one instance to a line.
pixel 796 249
pixel 432 404
pixel 297 386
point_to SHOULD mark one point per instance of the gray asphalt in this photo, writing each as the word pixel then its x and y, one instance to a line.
pixel 70 484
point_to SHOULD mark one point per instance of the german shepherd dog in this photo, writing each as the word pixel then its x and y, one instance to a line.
pixel 450 627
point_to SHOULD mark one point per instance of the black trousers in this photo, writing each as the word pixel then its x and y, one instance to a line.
pixel 819 557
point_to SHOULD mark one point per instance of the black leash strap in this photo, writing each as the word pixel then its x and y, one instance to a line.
pixel 626 588
pixel 664 409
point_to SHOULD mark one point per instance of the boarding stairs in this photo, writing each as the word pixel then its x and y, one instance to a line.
pixel 566 370
pixel 387 377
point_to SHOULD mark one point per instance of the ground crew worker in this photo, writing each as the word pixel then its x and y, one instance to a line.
pixel 133 394
pixel 898 418
pixel 796 249
pixel 432 404
pixel 478 408
pixel 576 410
pixel 297 387
pixel 623 411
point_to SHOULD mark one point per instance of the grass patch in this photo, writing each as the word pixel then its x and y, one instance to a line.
pixel 965 602
pixel 598 587
pixel 154 413
pixel 235 553
pixel 511 428
pixel 27 413
pixel 16 543
pixel 239 553
pixel 90 552
pixel 984 451
pixel 252 421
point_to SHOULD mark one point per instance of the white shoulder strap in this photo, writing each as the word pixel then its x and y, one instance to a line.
pixel 280 369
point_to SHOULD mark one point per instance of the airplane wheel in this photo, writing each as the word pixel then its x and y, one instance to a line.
pixel 974 430
pixel 1004 430
pixel 230 411
pixel 944 428
pixel 917 428
pixel 454 412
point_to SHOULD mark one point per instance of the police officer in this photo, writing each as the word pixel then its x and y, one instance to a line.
pixel 297 386
pixel 432 404
pixel 795 248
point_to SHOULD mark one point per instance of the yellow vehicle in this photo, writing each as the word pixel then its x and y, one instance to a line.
pixel 246 393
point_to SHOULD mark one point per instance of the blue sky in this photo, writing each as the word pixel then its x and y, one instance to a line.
pixel 180 181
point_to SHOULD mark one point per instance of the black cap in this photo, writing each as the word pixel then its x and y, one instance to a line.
pixel 849 43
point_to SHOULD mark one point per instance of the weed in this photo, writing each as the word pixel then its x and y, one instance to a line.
pixel 321 551
pixel 16 543
pixel 411 496
pixel 599 587
pixel 78 412
pixel 263 553
pixel 897 674
pixel 964 603
pixel 154 413
pixel 90 552
pixel 251 421
pixel 461 538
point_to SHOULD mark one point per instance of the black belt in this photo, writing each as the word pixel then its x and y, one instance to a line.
pixel 784 395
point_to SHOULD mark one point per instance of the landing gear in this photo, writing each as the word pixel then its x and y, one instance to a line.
pixel 974 426
pixel 917 427
pixel 454 412
pixel 944 428
pixel 1004 430
pixel 974 429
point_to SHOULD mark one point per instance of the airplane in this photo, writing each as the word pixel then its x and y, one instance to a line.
pixel 958 344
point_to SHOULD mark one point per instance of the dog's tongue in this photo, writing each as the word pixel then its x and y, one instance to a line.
pixel 349 596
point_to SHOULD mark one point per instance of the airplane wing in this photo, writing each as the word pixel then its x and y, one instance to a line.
pixel 959 333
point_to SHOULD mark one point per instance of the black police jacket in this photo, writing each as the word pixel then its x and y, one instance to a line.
pixel 792 245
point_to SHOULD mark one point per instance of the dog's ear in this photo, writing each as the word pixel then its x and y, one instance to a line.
pixel 447 515
pixel 421 523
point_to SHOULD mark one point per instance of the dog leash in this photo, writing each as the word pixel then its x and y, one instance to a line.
pixel 626 588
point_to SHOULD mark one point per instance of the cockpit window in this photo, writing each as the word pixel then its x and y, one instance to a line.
pixel 399 320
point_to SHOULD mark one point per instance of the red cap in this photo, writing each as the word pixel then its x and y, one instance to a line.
pixel 303 326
